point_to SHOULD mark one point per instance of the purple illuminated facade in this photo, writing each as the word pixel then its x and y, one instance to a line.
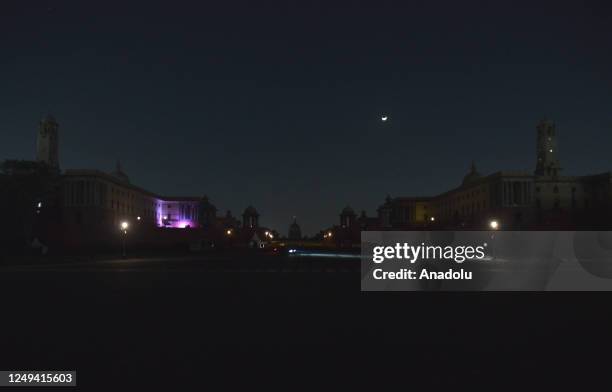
pixel 178 212
pixel 92 197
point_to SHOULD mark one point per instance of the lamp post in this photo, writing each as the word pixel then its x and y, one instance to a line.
pixel 494 226
pixel 124 228
pixel 229 232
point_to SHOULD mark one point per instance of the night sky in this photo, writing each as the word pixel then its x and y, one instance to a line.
pixel 278 104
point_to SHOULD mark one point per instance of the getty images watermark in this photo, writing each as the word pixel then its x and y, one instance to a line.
pixel 411 254
pixel 486 260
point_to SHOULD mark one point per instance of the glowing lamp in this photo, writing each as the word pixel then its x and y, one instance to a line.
pixel 494 225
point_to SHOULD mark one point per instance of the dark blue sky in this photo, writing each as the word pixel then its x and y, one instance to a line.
pixel 278 104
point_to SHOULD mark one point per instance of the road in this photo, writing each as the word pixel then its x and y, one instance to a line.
pixel 122 321
pixel 221 262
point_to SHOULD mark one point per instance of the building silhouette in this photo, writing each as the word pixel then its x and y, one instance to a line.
pixel 89 205
pixel 295 232
pixel 515 199
pixel 250 217
pixel 542 199
pixel 47 142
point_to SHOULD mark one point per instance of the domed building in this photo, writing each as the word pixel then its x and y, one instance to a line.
pixel 510 200
pixel 86 207
pixel 295 233
pixel 250 217
pixel 347 217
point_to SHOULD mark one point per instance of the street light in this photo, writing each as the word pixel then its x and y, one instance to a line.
pixel 433 219
pixel 124 228
pixel 494 225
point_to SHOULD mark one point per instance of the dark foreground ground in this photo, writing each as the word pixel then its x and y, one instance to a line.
pixel 172 322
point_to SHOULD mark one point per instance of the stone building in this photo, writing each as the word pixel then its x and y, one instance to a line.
pixel 544 198
pixel 89 205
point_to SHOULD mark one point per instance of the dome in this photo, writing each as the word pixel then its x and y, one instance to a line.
pixel 250 210
pixel 205 204
pixel 348 211
pixel 387 205
pixel 294 224
pixel 295 233
pixel 472 176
